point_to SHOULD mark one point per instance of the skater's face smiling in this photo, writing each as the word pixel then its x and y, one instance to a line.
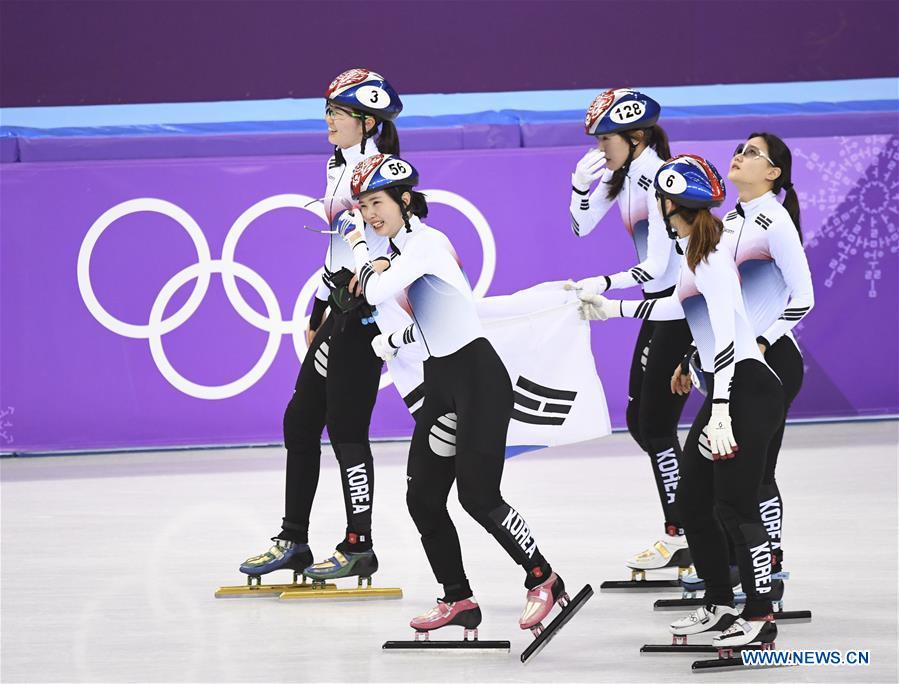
pixel 344 126
pixel 382 213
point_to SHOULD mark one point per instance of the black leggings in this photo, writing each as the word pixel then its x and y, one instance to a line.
pixel 785 360
pixel 460 435
pixel 719 496
pixel 653 410
pixel 337 387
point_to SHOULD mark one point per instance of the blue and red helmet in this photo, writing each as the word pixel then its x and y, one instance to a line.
pixel 382 171
pixel 366 91
pixel 619 110
pixel 690 181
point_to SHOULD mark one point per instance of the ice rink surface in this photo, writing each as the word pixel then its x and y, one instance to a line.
pixel 110 562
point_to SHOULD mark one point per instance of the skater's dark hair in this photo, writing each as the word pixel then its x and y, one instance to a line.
pixel 418 205
pixel 783 159
pixel 387 142
pixel 654 137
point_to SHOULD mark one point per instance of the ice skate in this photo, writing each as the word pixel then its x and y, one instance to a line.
pixel 670 552
pixel 465 614
pixel 283 555
pixel 341 565
pixel 539 604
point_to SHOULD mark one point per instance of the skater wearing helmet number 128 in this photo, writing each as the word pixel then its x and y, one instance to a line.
pixel 724 456
pixel 630 148
pixel 467 396
pixel 338 382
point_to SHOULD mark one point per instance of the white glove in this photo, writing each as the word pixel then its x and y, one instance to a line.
pixel 589 169
pixel 590 286
pixel 721 436
pixel 350 225
pixel 597 308
pixel 382 348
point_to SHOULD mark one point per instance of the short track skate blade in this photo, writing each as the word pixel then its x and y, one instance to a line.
pixel 331 592
pixel 728 663
pixel 264 590
pixel 716 664
pixel 461 645
pixel 558 622
pixel 649 649
pixel 640 585
pixel 793 615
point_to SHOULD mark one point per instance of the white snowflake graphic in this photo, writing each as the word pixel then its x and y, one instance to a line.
pixel 6 424
pixel 858 198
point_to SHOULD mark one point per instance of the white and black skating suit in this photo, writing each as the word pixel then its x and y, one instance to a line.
pixel 653 411
pixel 778 293
pixel 336 387
pixel 726 490
pixel 467 405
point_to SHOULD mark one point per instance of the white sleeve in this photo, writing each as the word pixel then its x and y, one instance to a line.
pixel 790 258
pixel 661 309
pixel 717 283
pixel 588 210
pixel 323 291
pixel 658 251
pixel 404 270
pixel 406 336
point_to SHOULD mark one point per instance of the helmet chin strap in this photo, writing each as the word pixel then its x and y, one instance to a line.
pixel 364 136
pixel 403 210
pixel 405 216
pixel 672 231
pixel 632 145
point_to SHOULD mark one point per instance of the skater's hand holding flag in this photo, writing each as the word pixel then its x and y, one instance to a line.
pixel 382 347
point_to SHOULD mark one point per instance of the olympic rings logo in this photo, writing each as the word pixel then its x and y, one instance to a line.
pixel 272 322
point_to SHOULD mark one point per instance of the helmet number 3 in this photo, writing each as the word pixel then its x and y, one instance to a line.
pixel 373 97
pixel 626 112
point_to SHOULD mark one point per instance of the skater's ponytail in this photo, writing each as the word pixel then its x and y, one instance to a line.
pixel 704 236
pixel 780 154
pixel 388 139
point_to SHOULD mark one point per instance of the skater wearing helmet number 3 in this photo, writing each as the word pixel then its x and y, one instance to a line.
pixel 338 381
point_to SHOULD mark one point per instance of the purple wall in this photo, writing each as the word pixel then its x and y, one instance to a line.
pixel 104 52
pixel 70 383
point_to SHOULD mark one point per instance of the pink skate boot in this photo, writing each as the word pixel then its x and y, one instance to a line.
pixel 540 602
pixel 465 613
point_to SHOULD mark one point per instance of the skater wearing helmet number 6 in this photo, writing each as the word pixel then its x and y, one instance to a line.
pixel 725 452
pixel 467 404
